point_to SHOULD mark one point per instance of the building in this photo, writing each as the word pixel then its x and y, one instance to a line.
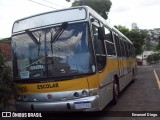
pixel 134 26
pixel 154 33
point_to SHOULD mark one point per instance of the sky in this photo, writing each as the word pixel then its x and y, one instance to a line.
pixel 123 12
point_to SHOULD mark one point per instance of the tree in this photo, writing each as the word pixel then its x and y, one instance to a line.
pixel 158 46
pixel 148 44
pixel 138 39
pixel 136 36
pixel 100 6
pixel 123 29
pixel 155 57
pixel 5 41
pixel 6 83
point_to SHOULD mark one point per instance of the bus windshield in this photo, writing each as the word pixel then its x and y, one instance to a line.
pixel 52 52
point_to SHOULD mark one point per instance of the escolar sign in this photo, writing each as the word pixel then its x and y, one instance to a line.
pixel 45 86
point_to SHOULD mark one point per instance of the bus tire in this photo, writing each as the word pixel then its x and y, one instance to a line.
pixel 115 93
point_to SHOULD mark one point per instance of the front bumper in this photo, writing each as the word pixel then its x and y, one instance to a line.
pixel 90 103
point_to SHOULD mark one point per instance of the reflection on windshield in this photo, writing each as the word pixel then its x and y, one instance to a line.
pixel 68 55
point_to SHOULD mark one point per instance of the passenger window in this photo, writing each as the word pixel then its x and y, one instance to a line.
pixel 108 35
pixel 109 42
pixel 122 47
pixel 99 50
pixel 110 48
pixel 98 44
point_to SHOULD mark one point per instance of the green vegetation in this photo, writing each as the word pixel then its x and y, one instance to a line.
pixel 6 83
pixel 100 6
pixel 153 58
pixel 158 45
pixel 5 41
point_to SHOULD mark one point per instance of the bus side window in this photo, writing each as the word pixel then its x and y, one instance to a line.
pixel 126 48
pixel 99 50
pixel 109 42
pixel 108 35
pixel 117 45
pixel 110 48
pixel 98 44
pixel 122 47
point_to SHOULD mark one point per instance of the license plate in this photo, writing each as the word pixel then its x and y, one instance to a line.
pixel 81 105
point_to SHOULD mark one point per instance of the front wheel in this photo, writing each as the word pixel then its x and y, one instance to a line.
pixel 115 93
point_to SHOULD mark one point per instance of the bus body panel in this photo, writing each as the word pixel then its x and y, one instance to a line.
pixel 81 104
pixel 59 86
pixel 57 97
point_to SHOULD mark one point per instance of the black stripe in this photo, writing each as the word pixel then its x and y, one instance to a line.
pixel 105 85
pixel 112 81
pixel 125 74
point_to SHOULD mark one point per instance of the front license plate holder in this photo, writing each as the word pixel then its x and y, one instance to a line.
pixel 82 105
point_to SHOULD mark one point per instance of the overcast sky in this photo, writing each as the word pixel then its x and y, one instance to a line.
pixel 123 12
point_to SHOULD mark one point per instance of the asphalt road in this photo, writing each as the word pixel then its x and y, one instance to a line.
pixel 140 97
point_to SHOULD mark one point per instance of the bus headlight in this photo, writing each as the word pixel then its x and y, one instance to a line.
pixel 76 94
pixel 25 98
pixel 84 93
pixel 94 91
pixel 19 98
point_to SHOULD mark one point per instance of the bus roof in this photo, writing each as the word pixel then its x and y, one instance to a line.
pixel 24 23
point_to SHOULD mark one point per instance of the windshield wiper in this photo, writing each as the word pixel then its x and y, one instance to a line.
pixel 32 37
pixel 59 32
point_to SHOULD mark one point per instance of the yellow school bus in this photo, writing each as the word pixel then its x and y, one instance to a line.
pixel 69 60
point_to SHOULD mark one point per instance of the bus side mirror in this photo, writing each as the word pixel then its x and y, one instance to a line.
pixel 101 33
